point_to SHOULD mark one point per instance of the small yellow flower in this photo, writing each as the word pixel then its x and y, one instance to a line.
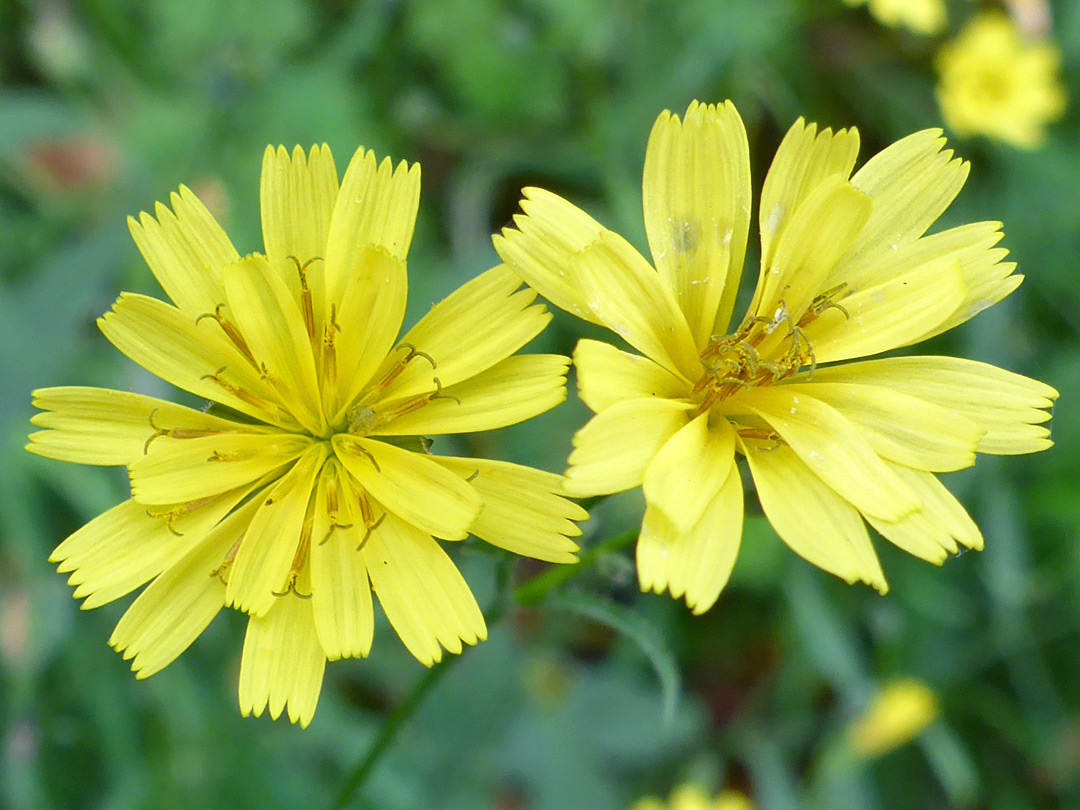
pixel 846 272
pixel 994 82
pixel 691 797
pixel 921 16
pixel 307 483
pixel 896 715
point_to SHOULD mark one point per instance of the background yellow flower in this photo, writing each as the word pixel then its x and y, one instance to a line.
pixel 920 16
pixel 994 81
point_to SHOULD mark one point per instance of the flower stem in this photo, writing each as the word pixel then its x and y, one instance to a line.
pixel 529 593
pixel 394 722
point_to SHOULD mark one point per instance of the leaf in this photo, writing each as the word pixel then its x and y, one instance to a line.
pixel 638 629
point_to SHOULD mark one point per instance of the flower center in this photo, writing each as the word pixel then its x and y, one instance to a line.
pixel 762 351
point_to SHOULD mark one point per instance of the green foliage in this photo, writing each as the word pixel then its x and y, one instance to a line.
pixel 108 105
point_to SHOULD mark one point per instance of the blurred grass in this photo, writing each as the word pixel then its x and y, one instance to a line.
pixel 106 106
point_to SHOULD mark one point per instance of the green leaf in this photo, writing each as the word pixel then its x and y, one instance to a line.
pixel 636 628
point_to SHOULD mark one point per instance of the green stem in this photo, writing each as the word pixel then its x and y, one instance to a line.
pixel 534 591
pixel 394 722
pixel 530 593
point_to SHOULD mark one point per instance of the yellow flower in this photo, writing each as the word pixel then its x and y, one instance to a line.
pixel 306 484
pixel 921 16
pixel 996 83
pixel 846 272
pixel 896 715
pixel 691 797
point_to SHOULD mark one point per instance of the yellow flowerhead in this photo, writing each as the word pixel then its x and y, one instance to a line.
pixel 846 272
pixel 307 483
pixel 691 797
pixel 921 16
pixel 994 82
pixel 896 715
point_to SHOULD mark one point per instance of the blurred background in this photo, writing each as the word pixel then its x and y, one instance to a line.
pixel 600 695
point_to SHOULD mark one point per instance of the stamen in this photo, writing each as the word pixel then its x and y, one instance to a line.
pixel 357 449
pixel 763 435
pixel 175 433
pixel 369 528
pixel 175 513
pixel 226 564
pixel 823 303
pixel 329 349
pixel 230 331
pixel 414 352
pixel 439 392
pixel 238 392
pixel 305 295
pixel 298 560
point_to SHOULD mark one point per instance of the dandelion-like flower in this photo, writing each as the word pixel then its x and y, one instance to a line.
pixel 996 82
pixel 307 483
pixel 691 797
pixel 921 16
pixel 846 272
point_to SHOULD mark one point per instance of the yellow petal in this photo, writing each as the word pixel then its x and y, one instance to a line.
pixel 186 252
pixel 369 317
pixel 375 212
pixel 835 450
pixel 613 449
pixel 340 592
pixel 171 345
pixel 274 329
pixel 482 322
pixel 177 606
pixel 912 182
pixel 694 564
pixel 814 238
pixel 606 375
pixel 516 389
pixel 296 197
pixel 900 427
pixel 689 470
pixel 696 195
pixel 99 426
pixel 811 518
pixel 283 664
pixel 269 547
pixel 803 159
pixel 523 511
pixel 422 593
pixel 613 285
pixel 553 231
pixel 941 510
pixel 1009 407
pixel 126 546
pixel 935 531
pixel 175 470
pixel 986 279
pixel 411 486
pixel 895 313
